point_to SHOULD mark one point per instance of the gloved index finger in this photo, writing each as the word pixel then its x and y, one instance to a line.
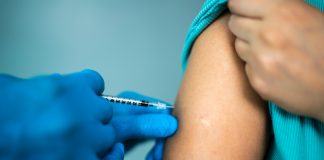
pixel 144 126
pixel 91 78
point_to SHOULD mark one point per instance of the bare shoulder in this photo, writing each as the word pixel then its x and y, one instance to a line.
pixel 220 116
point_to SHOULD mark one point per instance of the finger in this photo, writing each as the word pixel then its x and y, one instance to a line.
pixel 99 137
pixel 249 8
pixel 249 73
pixel 144 126
pixel 82 89
pixel 117 152
pixel 256 82
pixel 157 151
pixel 242 27
pixel 123 109
pixel 83 104
pixel 104 110
pixel 89 78
pixel 243 50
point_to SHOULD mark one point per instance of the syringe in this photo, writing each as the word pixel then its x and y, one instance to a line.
pixel 135 102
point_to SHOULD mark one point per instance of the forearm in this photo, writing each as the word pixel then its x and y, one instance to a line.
pixel 219 114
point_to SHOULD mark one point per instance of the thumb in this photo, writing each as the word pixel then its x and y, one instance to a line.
pixel 90 78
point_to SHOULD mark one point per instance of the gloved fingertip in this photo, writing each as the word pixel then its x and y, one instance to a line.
pixel 116 153
pixel 157 125
pixel 120 147
pixel 95 80
pixel 173 125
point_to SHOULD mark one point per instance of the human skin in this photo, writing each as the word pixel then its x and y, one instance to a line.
pixel 220 116
pixel 283 50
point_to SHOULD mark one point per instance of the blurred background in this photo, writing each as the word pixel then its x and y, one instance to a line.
pixel 134 45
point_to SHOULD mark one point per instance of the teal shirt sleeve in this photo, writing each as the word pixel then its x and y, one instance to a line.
pixel 293 137
pixel 319 4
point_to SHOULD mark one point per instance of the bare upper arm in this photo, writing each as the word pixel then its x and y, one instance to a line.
pixel 220 116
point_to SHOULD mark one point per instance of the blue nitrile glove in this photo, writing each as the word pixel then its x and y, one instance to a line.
pixel 116 153
pixel 55 117
pixel 64 117
pixel 156 153
pixel 134 124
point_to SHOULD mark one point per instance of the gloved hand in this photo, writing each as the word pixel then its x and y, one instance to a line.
pixel 54 117
pixel 136 124
pixel 63 117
